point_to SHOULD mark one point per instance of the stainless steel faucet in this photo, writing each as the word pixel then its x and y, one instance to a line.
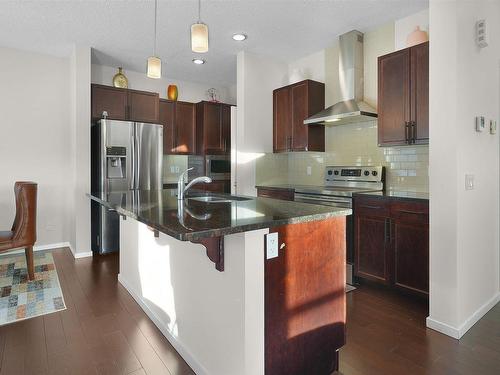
pixel 181 189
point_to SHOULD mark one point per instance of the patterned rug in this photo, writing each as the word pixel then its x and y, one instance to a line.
pixel 22 299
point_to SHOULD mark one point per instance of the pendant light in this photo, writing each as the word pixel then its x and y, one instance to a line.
pixel 199 34
pixel 154 62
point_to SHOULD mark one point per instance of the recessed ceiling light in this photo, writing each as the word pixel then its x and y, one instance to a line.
pixel 239 37
pixel 199 61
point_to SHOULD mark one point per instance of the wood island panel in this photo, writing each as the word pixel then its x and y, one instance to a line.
pixel 305 299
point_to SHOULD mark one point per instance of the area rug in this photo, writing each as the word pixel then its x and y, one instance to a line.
pixel 23 299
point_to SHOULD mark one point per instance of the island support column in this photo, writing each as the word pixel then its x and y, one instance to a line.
pixel 215 320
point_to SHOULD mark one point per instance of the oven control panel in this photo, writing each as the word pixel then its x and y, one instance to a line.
pixel 357 173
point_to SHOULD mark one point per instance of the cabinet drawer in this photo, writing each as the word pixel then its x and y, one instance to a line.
pixel 283 194
pixel 371 206
pixel 411 212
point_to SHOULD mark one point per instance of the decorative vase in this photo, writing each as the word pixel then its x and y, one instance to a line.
pixel 417 36
pixel 212 95
pixel 120 80
pixel 172 92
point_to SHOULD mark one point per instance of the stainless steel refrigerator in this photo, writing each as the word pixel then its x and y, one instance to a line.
pixel 124 156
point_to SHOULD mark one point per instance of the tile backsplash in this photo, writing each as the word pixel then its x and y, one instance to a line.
pixel 407 167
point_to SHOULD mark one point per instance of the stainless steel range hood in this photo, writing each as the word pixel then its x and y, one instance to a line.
pixel 352 109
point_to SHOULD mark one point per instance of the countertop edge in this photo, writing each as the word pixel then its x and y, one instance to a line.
pixel 210 233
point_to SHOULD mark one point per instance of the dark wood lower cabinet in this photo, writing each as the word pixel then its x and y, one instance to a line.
pixel 284 194
pixel 305 299
pixel 371 258
pixel 391 242
pixel 221 186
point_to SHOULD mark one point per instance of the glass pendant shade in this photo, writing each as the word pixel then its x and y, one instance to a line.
pixel 199 37
pixel 154 67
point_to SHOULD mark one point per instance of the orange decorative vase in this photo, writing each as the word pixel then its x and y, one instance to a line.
pixel 172 92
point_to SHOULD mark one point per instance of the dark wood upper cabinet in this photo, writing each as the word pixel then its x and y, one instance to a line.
pixel 143 106
pixel 420 92
pixel 110 99
pixel 185 128
pixel 282 131
pixel 167 119
pixel 124 104
pixel 213 123
pixel 403 97
pixel 291 106
pixel 391 242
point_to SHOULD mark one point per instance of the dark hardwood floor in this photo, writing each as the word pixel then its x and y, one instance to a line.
pixel 386 334
pixel 104 331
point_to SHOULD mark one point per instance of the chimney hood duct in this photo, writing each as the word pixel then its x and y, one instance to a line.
pixel 353 109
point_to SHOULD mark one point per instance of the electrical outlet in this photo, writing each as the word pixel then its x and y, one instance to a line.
pixel 177 170
pixel 309 170
pixel 272 245
pixel 469 182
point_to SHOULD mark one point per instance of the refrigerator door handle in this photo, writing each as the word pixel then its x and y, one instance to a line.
pixel 137 156
pixel 132 159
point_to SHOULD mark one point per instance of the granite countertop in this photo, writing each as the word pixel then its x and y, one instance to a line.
pixel 397 194
pixel 194 219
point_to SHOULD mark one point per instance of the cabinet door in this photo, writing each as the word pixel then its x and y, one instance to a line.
pixel 371 248
pixel 226 128
pixel 221 186
pixel 281 120
pixel 283 194
pixel 143 106
pixel 410 241
pixel 394 98
pixel 185 128
pixel 420 92
pixel 110 99
pixel 167 119
pixel 212 139
pixel 299 114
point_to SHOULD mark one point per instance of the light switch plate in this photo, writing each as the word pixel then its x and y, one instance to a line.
pixel 480 123
pixel 469 182
pixel 309 170
pixel 272 245
pixel 493 126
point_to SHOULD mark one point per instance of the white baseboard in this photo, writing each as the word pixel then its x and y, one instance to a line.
pixel 82 254
pixel 458 332
pixel 42 247
pixel 57 245
pixel 185 354
pixel 444 328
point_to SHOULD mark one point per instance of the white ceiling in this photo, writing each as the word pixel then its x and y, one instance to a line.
pixel 121 32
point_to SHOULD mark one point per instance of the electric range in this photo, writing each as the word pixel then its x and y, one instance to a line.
pixel 340 183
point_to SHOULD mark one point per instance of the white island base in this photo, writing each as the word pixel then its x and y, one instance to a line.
pixel 215 320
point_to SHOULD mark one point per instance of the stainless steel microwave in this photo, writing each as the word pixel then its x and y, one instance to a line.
pixel 218 167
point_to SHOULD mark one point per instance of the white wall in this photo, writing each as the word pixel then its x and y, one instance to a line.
pixel 80 140
pixel 464 83
pixel 213 319
pixel 404 26
pixel 34 138
pixel 257 77
pixel 309 67
pixel 188 91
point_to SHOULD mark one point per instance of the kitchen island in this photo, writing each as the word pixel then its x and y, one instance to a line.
pixel 201 271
